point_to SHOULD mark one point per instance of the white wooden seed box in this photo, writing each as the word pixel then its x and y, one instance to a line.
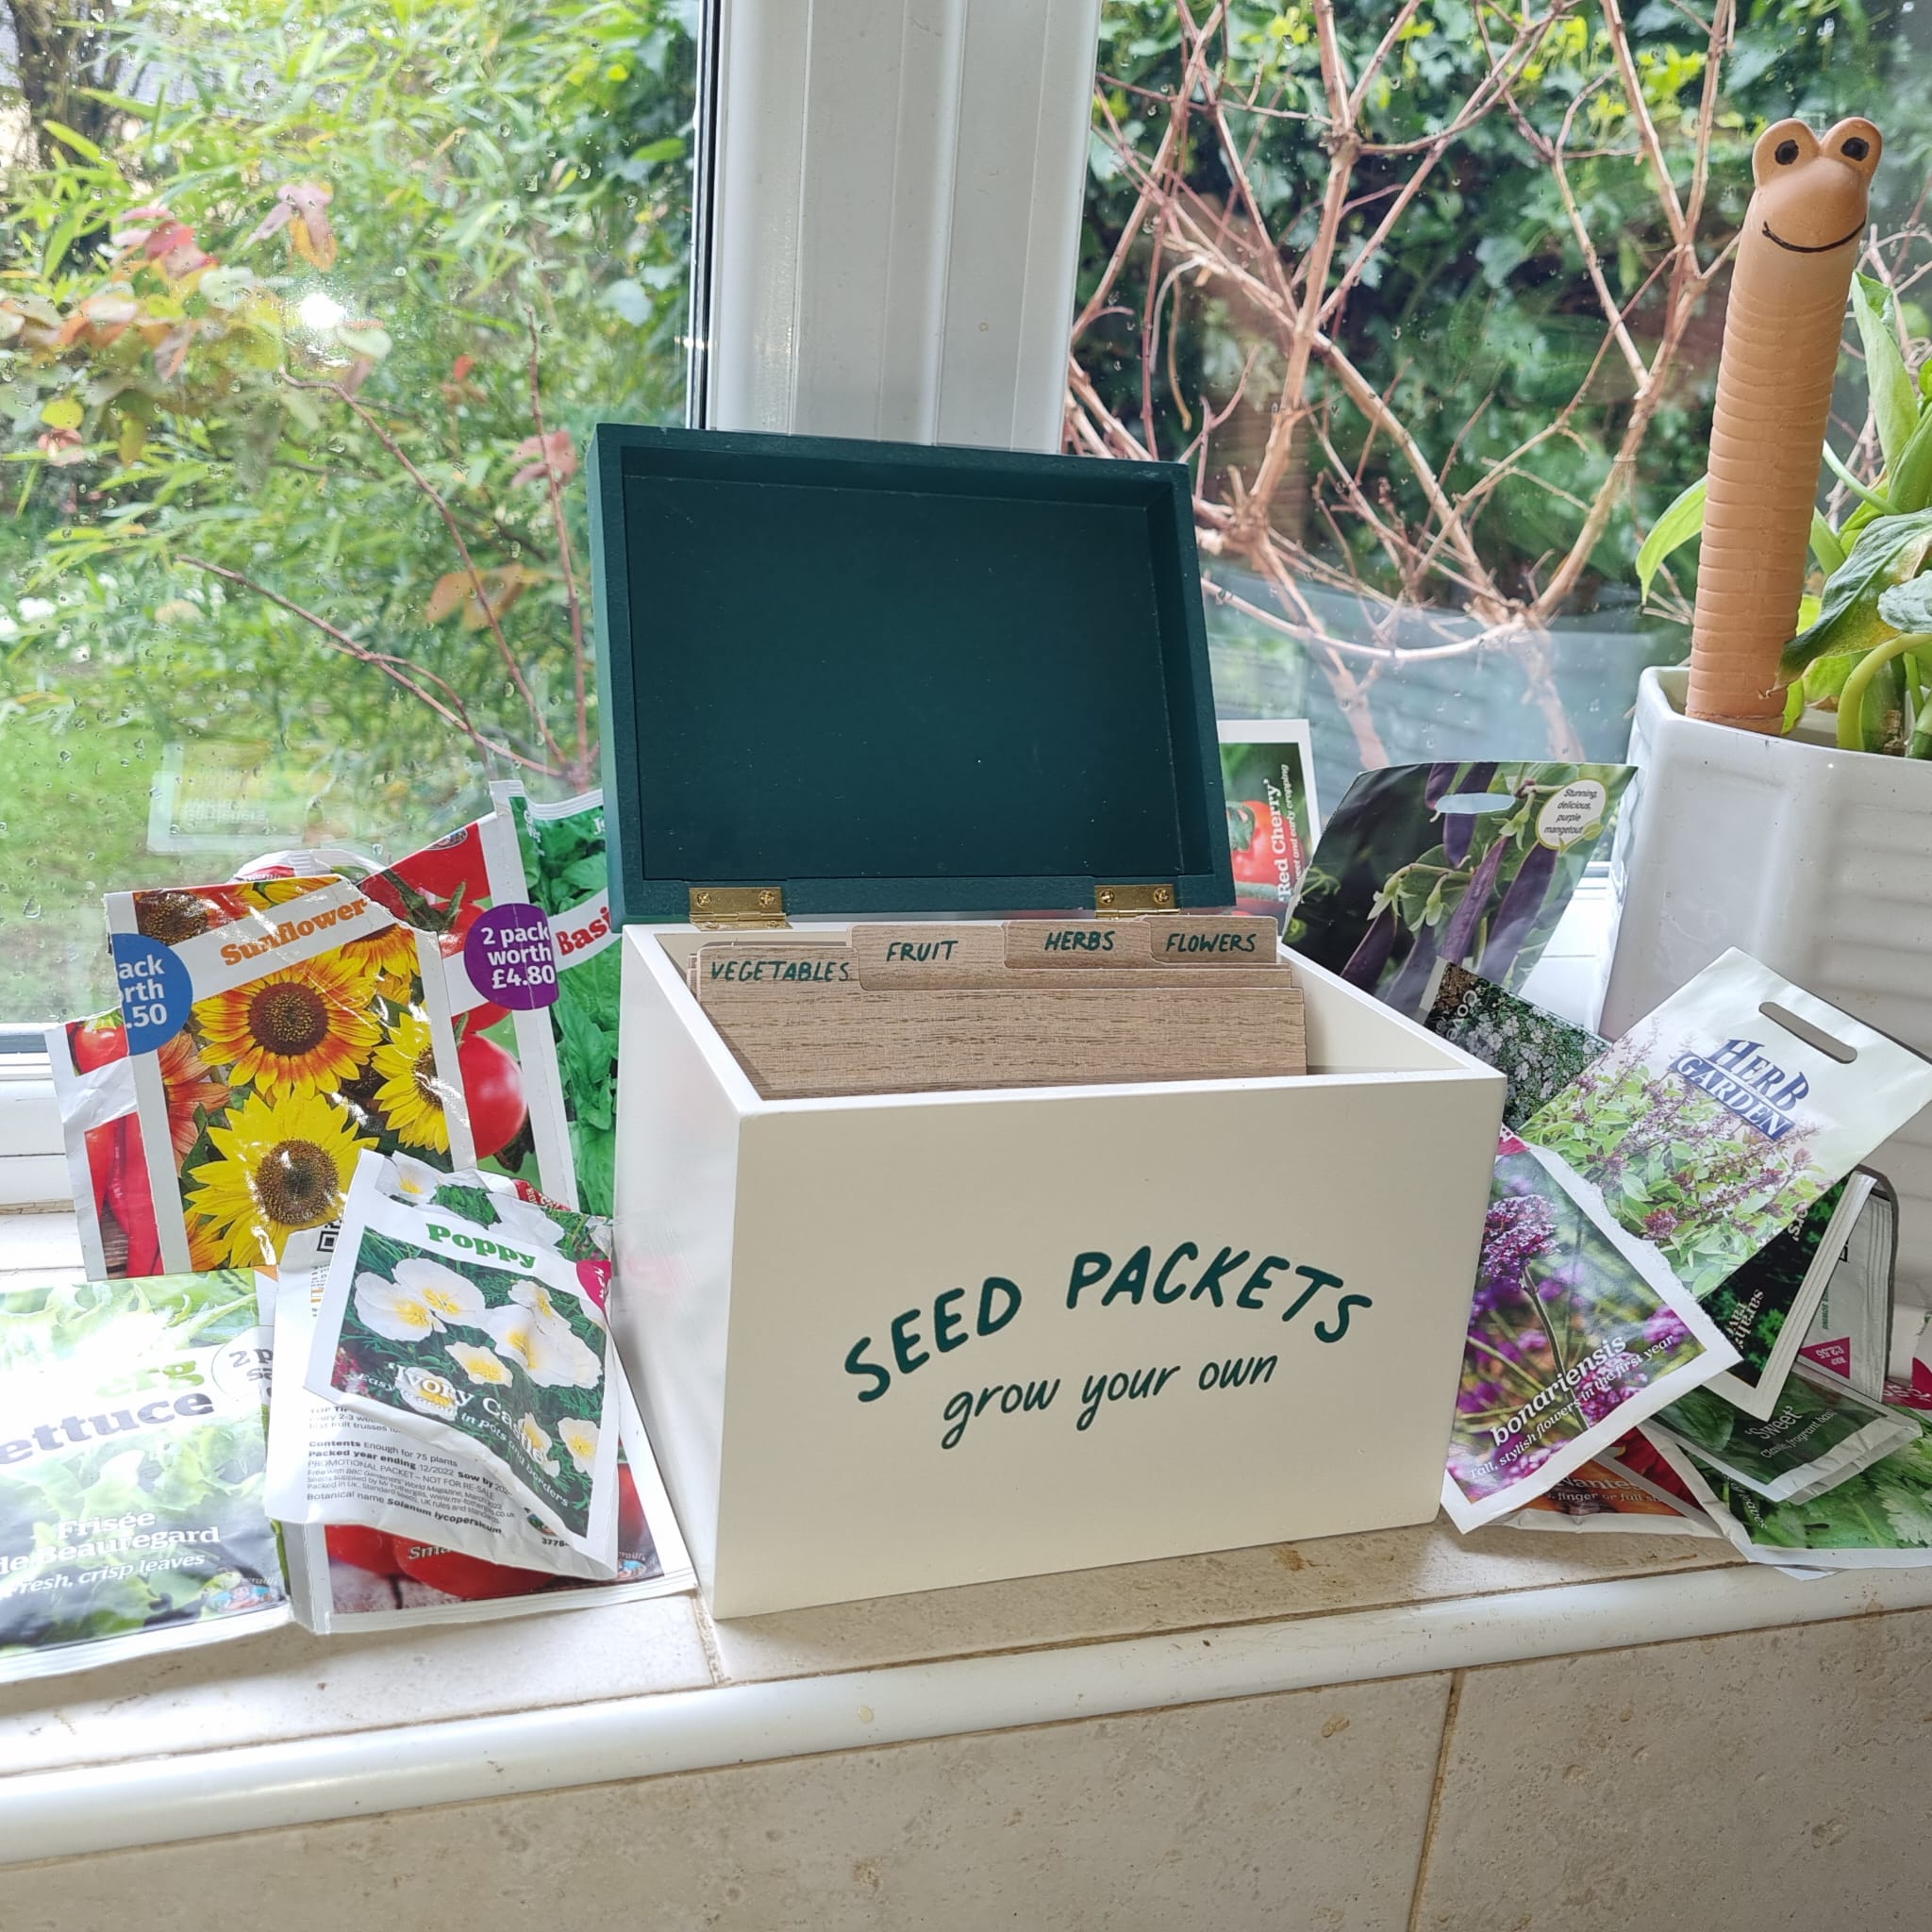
pixel 760 1243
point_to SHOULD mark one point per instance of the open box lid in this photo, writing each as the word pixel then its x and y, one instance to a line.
pixel 888 678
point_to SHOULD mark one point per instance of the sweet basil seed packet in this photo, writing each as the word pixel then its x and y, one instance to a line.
pixel 473 1320
pixel 1726 1115
pixel 1880 1518
pixel 1268 778
pixel 131 1508
pixel 1576 1334
pixel 1766 1306
pixel 1470 863
pixel 1819 1434
pixel 1538 1054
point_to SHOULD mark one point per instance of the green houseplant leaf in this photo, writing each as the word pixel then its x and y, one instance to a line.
pixel 1681 522
pixel 1887 552
pixel 1894 395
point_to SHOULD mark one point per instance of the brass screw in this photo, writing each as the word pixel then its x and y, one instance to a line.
pixel 1162 896
pixel 1107 898
pixel 766 899
pixel 704 898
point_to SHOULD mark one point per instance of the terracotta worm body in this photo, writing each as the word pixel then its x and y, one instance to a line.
pixel 1801 236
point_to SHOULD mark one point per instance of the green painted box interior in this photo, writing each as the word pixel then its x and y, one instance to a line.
pixel 893 679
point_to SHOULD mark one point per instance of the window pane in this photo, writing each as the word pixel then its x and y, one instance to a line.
pixel 1405 289
pixel 307 304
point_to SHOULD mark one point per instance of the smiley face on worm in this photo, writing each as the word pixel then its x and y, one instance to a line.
pixel 1812 190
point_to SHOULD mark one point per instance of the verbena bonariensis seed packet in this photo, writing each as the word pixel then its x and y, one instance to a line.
pixel 1472 863
pixel 474 1320
pixel 1712 1125
pixel 1574 1334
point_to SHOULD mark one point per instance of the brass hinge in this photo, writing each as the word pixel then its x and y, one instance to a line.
pixel 1127 902
pixel 736 908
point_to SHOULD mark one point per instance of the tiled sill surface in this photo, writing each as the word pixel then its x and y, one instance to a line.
pixel 286 1729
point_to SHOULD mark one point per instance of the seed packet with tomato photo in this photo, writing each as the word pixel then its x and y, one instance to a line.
pixel 504 1053
pixel 1268 778
pixel 559 863
pixel 276 1028
pixel 1880 1518
pixel 132 1509
pixel 106 1171
pixel 455 1315
pixel 1576 1334
pixel 1603 1496
pixel 1472 863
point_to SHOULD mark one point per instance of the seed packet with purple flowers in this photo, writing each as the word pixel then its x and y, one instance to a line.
pixel 1472 863
pixel 1576 1333
pixel 1719 1119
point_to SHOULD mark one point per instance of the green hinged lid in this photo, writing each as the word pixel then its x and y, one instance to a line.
pixel 888 678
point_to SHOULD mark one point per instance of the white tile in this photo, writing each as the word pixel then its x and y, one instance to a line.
pixel 1296 1813
pixel 1343 1573
pixel 287 1684
pixel 43 1244
pixel 1774 1781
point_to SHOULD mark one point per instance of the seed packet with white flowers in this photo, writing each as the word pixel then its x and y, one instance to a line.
pixel 1819 1435
pixel 457 1316
pixel 276 1028
pixel 1575 1335
pixel 1880 1518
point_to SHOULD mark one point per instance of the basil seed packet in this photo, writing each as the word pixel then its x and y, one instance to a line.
pixel 1470 863
pixel 131 1507
pixel 558 862
pixel 1727 1114
pixel 1535 1051
pixel 1576 1333
pixel 1880 1518
pixel 1766 1306
pixel 1818 1435
pixel 473 1320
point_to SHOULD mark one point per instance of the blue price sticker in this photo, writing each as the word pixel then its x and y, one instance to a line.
pixel 156 990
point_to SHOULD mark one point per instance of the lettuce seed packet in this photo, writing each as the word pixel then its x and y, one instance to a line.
pixel 131 1460
pixel 1470 863
pixel 473 1321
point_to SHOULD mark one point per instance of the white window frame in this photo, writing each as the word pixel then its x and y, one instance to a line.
pixel 887 230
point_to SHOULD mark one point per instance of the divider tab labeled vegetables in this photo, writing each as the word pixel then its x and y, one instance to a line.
pixel 1469 864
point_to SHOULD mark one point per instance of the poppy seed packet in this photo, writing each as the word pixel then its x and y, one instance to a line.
pixel 473 1320
pixel 276 1028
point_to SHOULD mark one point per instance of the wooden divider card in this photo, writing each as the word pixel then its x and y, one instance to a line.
pixel 910 1008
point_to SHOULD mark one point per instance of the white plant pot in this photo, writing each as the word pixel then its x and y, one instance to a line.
pixel 1816 860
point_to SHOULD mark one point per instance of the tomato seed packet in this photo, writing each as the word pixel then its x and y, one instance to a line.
pixel 1879 1519
pixel 560 865
pixel 1819 1434
pixel 1268 778
pixel 106 1167
pixel 1470 863
pixel 276 1028
pixel 471 1321
pixel 131 1456
pixel 1603 1496
pixel 1576 1333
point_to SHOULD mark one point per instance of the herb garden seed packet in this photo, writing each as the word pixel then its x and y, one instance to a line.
pixel 464 1324
pixel 1766 1306
pixel 131 1507
pixel 276 1028
pixel 1470 863
pixel 1819 1435
pixel 1722 1118
pixel 1879 1519
pixel 560 865
pixel 1268 778
pixel 1576 1333
pixel 1602 1496
pixel 1535 1051
pixel 107 1169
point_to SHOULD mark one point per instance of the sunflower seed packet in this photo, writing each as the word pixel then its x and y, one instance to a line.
pixel 473 1320
pixel 277 1029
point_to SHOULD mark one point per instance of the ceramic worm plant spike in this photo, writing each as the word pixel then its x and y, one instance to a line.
pixel 1801 239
